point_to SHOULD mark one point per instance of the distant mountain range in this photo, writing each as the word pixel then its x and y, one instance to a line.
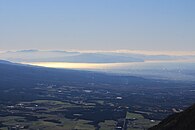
pixel 179 121
pixel 5 62
pixel 96 58
pixel 83 57
pixel 64 56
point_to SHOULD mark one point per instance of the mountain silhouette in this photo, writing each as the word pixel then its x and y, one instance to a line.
pixel 180 121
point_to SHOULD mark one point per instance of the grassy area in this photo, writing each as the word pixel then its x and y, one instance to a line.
pixel 83 125
pixel 138 122
pixel 58 104
pixel 107 125
pixel 134 116
pixel 52 102
pixel 46 119
pixel 146 123
pixel 3 128
pixel 43 124
pixel 101 102
pixel 66 124
pixel 11 120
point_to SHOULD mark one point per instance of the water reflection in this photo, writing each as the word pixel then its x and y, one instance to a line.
pixel 177 64
pixel 184 70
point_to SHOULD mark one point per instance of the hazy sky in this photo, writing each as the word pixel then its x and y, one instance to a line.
pixel 97 24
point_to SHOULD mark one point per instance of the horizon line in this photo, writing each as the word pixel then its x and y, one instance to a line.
pixel 133 51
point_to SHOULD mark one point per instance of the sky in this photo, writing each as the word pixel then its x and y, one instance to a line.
pixel 158 25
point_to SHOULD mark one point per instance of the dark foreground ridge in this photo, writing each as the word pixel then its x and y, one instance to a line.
pixel 180 121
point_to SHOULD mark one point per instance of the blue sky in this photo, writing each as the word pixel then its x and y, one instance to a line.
pixel 97 24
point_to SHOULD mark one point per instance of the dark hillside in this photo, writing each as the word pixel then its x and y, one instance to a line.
pixel 16 75
pixel 180 121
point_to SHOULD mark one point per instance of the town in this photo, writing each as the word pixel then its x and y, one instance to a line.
pixel 52 106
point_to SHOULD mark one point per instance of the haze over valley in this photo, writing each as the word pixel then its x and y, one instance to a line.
pixel 159 65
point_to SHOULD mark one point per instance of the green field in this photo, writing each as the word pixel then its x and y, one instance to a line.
pixel 107 125
pixel 138 122
pixel 133 116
